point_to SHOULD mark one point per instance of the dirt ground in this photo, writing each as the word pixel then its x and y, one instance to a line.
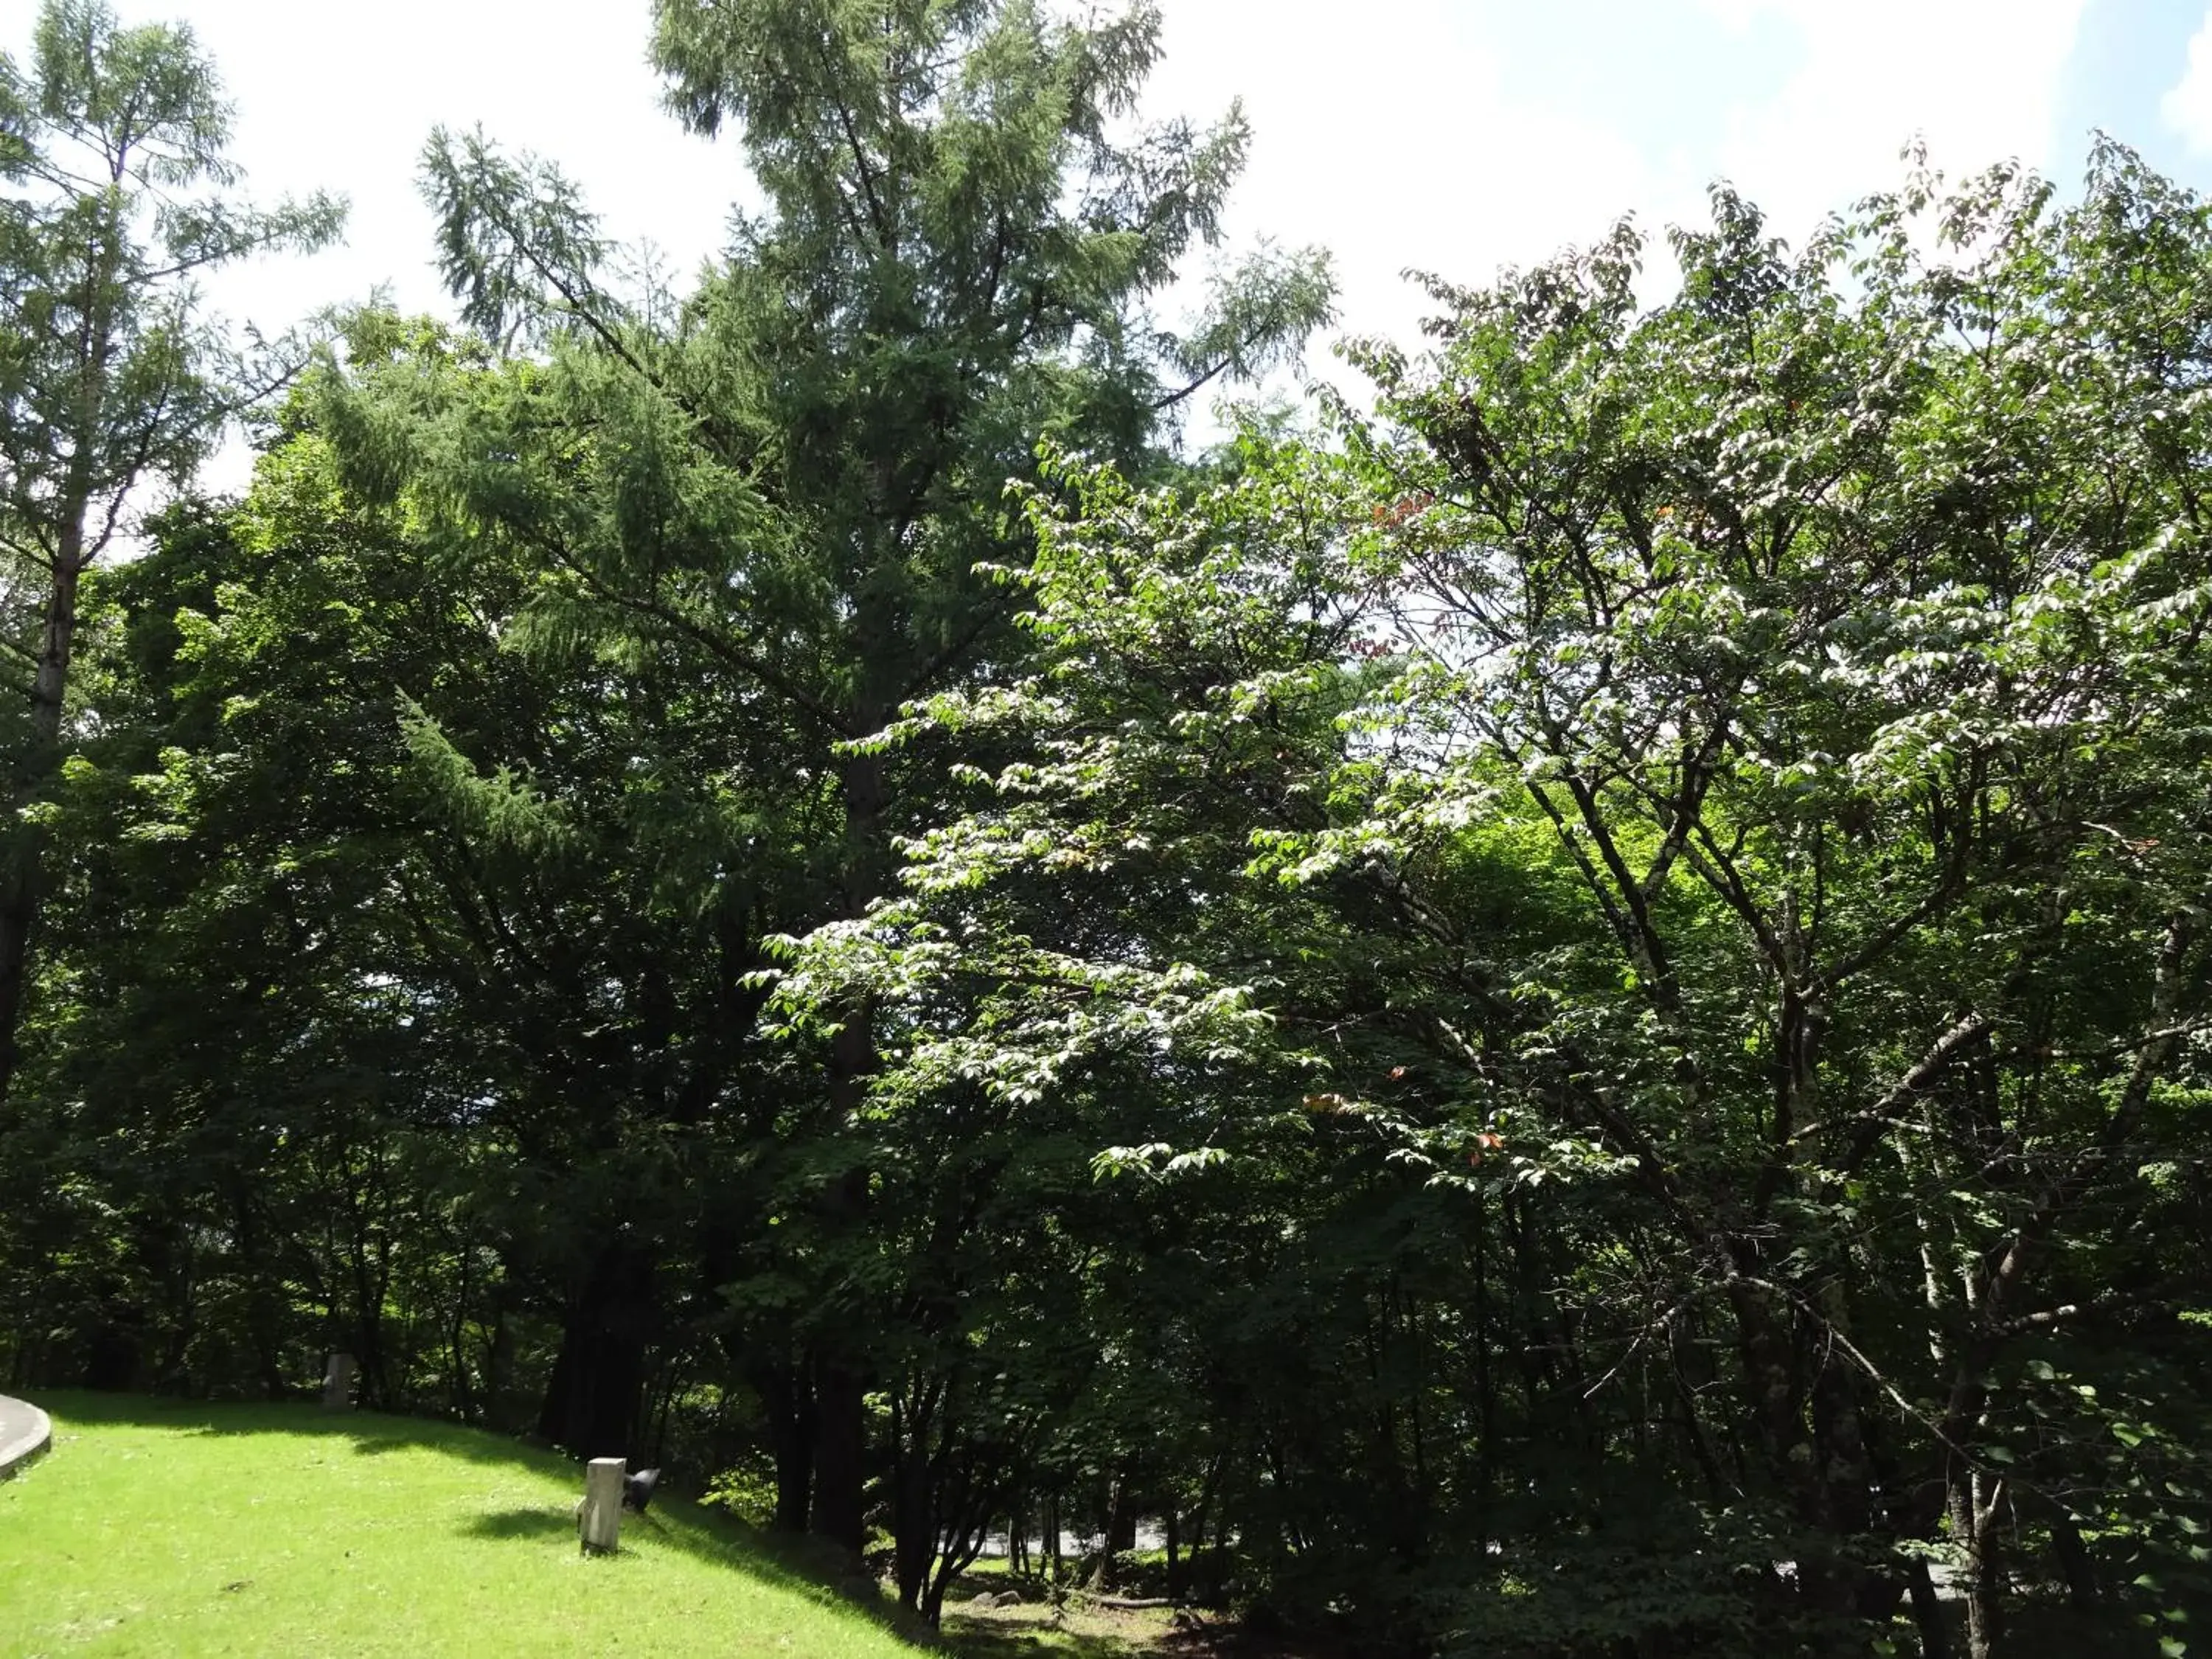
pixel 1084 1629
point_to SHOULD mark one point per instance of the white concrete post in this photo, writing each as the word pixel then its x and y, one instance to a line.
pixel 600 1524
pixel 337 1383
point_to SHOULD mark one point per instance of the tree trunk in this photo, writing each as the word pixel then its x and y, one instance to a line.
pixel 913 1526
pixel 839 1456
pixel 462 1395
pixel 1178 1586
pixel 1121 1530
pixel 1824 1466
pixel 22 888
pixel 594 1397
pixel 2083 1593
pixel 788 1395
pixel 1973 1516
pixel 840 1459
pixel 499 1365
pixel 114 1355
pixel 840 1449
pixel 1928 1614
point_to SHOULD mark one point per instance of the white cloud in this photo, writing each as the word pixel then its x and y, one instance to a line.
pixel 1397 133
pixel 2187 107
pixel 1394 136
pixel 343 98
pixel 1977 79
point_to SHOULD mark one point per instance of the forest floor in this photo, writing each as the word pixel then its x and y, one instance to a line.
pixel 1095 1632
pixel 173 1529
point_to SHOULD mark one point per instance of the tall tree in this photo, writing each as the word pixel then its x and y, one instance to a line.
pixel 790 477
pixel 113 141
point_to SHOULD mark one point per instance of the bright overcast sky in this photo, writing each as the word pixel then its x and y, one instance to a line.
pixel 1450 135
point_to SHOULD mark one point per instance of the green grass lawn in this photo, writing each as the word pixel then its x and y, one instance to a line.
pixel 168 1528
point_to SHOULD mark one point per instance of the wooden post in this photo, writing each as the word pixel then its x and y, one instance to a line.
pixel 337 1383
pixel 601 1523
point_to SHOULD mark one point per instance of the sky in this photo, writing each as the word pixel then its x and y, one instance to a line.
pixel 1453 136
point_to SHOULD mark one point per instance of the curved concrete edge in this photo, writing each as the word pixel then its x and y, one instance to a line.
pixel 25 1432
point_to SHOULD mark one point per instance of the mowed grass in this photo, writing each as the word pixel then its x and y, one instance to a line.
pixel 181 1529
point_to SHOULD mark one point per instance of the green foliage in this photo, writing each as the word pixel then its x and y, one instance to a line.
pixel 117 200
pixel 1566 1017
pixel 1706 777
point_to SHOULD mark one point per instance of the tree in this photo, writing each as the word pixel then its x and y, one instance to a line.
pixel 1744 754
pixel 788 479
pixel 112 140
pixel 1568 1019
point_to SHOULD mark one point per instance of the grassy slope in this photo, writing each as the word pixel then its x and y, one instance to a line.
pixel 178 1530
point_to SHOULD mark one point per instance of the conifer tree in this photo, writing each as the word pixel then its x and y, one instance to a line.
pixel 112 146
pixel 792 474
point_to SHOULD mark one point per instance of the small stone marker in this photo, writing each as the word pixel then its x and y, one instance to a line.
pixel 600 1524
pixel 337 1383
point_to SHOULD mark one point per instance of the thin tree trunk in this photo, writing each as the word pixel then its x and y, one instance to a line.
pixel 1121 1530
pixel 2083 1590
pixel 788 1395
pixel 1486 1389
pixel 840 1459
pixel 21 884
pixel 1973 1515
pixel 1928 1614
pixel 463 1396
pixel 914 1514
pixel 1207 1491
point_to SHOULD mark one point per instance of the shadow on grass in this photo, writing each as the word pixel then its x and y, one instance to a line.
pixel 519 1523
pixel 806 1567
pixel 372 1433
pixel 369 1434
